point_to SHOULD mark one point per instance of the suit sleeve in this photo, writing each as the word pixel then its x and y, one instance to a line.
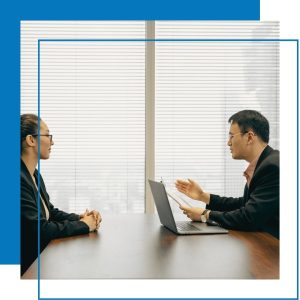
pixel 49 229
pixel 261 206
pixel 218 203
pixel 59 215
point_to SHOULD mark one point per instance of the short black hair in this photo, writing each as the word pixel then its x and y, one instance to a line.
pixel 252 120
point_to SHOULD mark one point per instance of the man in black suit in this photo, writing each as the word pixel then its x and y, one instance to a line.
pixel 258 208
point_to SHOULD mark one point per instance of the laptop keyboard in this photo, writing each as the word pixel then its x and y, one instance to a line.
pixel 184 226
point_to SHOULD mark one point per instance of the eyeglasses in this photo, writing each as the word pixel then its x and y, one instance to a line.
pixel 231 136
pixel 50 136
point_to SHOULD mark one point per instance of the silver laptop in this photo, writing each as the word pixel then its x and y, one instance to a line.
pixel 167 219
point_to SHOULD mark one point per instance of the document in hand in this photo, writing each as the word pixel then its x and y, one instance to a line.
pixel 177 199
pixel 174 197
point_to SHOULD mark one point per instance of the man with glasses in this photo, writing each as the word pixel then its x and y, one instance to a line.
pixel 258 208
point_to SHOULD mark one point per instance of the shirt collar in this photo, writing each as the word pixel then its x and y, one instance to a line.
pixel 248 173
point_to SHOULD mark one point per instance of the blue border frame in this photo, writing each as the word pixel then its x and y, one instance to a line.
pixel 167 40
pixel 11 14
pixel 297 176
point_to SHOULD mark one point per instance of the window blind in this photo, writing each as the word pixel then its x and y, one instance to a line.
pixel 92 97
pixel 199 85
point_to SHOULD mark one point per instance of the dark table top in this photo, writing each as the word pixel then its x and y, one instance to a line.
pixel 136 246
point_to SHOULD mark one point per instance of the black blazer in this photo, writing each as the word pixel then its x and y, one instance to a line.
pixel 60 224
pixel 258 209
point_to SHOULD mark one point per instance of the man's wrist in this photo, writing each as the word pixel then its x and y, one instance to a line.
pixel 207 214
pixel 204 215
pixel 205 197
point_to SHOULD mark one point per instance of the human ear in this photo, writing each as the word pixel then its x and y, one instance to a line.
pixel 30 141
pixel 251 136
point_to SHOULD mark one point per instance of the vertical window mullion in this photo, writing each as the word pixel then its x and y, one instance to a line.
pixel 150 113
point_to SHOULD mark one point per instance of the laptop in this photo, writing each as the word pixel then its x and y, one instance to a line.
pixel 167 219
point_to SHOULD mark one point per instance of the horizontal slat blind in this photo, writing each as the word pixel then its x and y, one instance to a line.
pixel 199 85
pixel 93 100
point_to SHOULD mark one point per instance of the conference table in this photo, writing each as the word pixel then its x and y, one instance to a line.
pixel 137 246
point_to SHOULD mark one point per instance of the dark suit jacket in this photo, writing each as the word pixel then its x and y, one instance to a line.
pixel 60 224
pixel 258 209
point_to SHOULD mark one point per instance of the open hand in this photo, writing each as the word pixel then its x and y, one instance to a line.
pixel 190 188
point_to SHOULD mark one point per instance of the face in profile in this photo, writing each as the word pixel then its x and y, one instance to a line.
pixel 237 142
pixel 46 141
